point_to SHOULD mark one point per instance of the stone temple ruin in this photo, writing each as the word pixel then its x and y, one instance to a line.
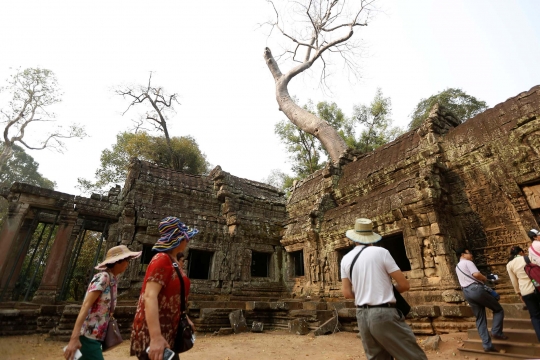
pixel 430 191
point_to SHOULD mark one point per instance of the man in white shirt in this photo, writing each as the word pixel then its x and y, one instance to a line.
pixel 472 283
pixel 382 327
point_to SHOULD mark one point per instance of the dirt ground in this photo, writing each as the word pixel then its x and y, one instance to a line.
pixel 266 346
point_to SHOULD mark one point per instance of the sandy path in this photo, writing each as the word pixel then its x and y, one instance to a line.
pixel 267 346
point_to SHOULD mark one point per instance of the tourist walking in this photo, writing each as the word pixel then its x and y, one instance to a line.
pixel 158 310
pixel 534 250
pixel 91 324
pixel 472 282
pixel 523 286
pixel 366 273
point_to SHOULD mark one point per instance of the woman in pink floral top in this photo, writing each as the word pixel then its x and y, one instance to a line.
pixel 158 311
pixel 91 324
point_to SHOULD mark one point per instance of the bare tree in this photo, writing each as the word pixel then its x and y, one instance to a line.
pixel 161 104
pixel 33 91
pixel 321 28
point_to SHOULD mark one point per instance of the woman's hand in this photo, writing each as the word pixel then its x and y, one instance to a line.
pixel 190 323
pixel 72 347
pixel 157 346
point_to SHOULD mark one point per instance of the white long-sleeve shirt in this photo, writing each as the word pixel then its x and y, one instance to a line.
pixel 520 280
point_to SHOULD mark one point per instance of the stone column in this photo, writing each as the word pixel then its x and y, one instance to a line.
pixel 8 239
pixel 55 268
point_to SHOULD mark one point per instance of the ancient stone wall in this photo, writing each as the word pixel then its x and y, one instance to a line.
pixel 432 189
pixel 239 220
pixel 30 205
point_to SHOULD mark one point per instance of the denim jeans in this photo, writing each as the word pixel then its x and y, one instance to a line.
pixel 533 305
pixel 480 299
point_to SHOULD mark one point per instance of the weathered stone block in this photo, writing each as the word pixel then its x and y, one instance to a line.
pixel 421 326
pixel 299 326
pixel 347 313
pixel 257 327
pixel 423 231
pixel 238 321
pixel 424 311
pixel 453 296
pixel 329 327
pixel 225 331
pixel 456 311
pixel 314 305
pixel 257 305
pixel 432 343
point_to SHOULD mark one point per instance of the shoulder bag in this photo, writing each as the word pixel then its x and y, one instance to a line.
pixel 401 304
pixel 489 290
pixel 113 338
pixel 184 334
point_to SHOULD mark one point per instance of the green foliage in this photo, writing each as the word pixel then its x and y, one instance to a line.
pixel 462 105
pixel 20 167
pixel 84 267
pixel 376 123
pixel 279 179
pixel 115 162
pixel 23 168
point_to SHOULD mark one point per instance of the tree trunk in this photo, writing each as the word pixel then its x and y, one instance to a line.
pixel 303 119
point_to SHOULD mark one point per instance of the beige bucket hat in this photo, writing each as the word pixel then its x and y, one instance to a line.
pixel 363 232
pixel 118 253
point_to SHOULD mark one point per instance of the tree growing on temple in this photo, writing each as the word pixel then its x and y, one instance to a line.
pixel 31 94
pixel 305 150
pixel 158 106
pixel 154 149
pixel 461 104
pixel 376 123
pixel 317 29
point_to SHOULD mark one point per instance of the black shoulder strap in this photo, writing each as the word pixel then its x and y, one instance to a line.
pixel 470 277
pixel 354 261
pixel 182 288
pixel 527 260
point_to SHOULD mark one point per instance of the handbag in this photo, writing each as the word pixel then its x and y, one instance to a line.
pixel 489 290
pixel 401 304
pixel 113 338
pixel 184 334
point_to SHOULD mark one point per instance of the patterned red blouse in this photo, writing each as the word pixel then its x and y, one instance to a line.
pixel 159 270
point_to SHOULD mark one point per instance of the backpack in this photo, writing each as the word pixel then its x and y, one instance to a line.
pixel 533 272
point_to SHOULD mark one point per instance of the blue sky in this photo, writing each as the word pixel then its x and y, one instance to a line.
pixel 210 52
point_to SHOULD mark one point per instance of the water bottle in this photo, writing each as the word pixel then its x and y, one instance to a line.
pixel 193 337
pixel 535 283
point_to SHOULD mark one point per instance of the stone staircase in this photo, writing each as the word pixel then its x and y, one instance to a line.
pixel 521 344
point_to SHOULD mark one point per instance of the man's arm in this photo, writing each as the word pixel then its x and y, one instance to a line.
pixel 347 288
pixel 402 284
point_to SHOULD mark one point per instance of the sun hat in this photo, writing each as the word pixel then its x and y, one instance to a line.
pixel 118 253
pixel 363 232
pixel 533 233
pixel 172 231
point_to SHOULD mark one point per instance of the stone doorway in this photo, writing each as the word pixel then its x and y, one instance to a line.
pixel 202 264
pixel 35 242
pixel 395 244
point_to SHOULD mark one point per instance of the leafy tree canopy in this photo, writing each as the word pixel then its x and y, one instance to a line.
pixel 375 120
pixel 23 168
pixel 462 105
pixel 115 162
